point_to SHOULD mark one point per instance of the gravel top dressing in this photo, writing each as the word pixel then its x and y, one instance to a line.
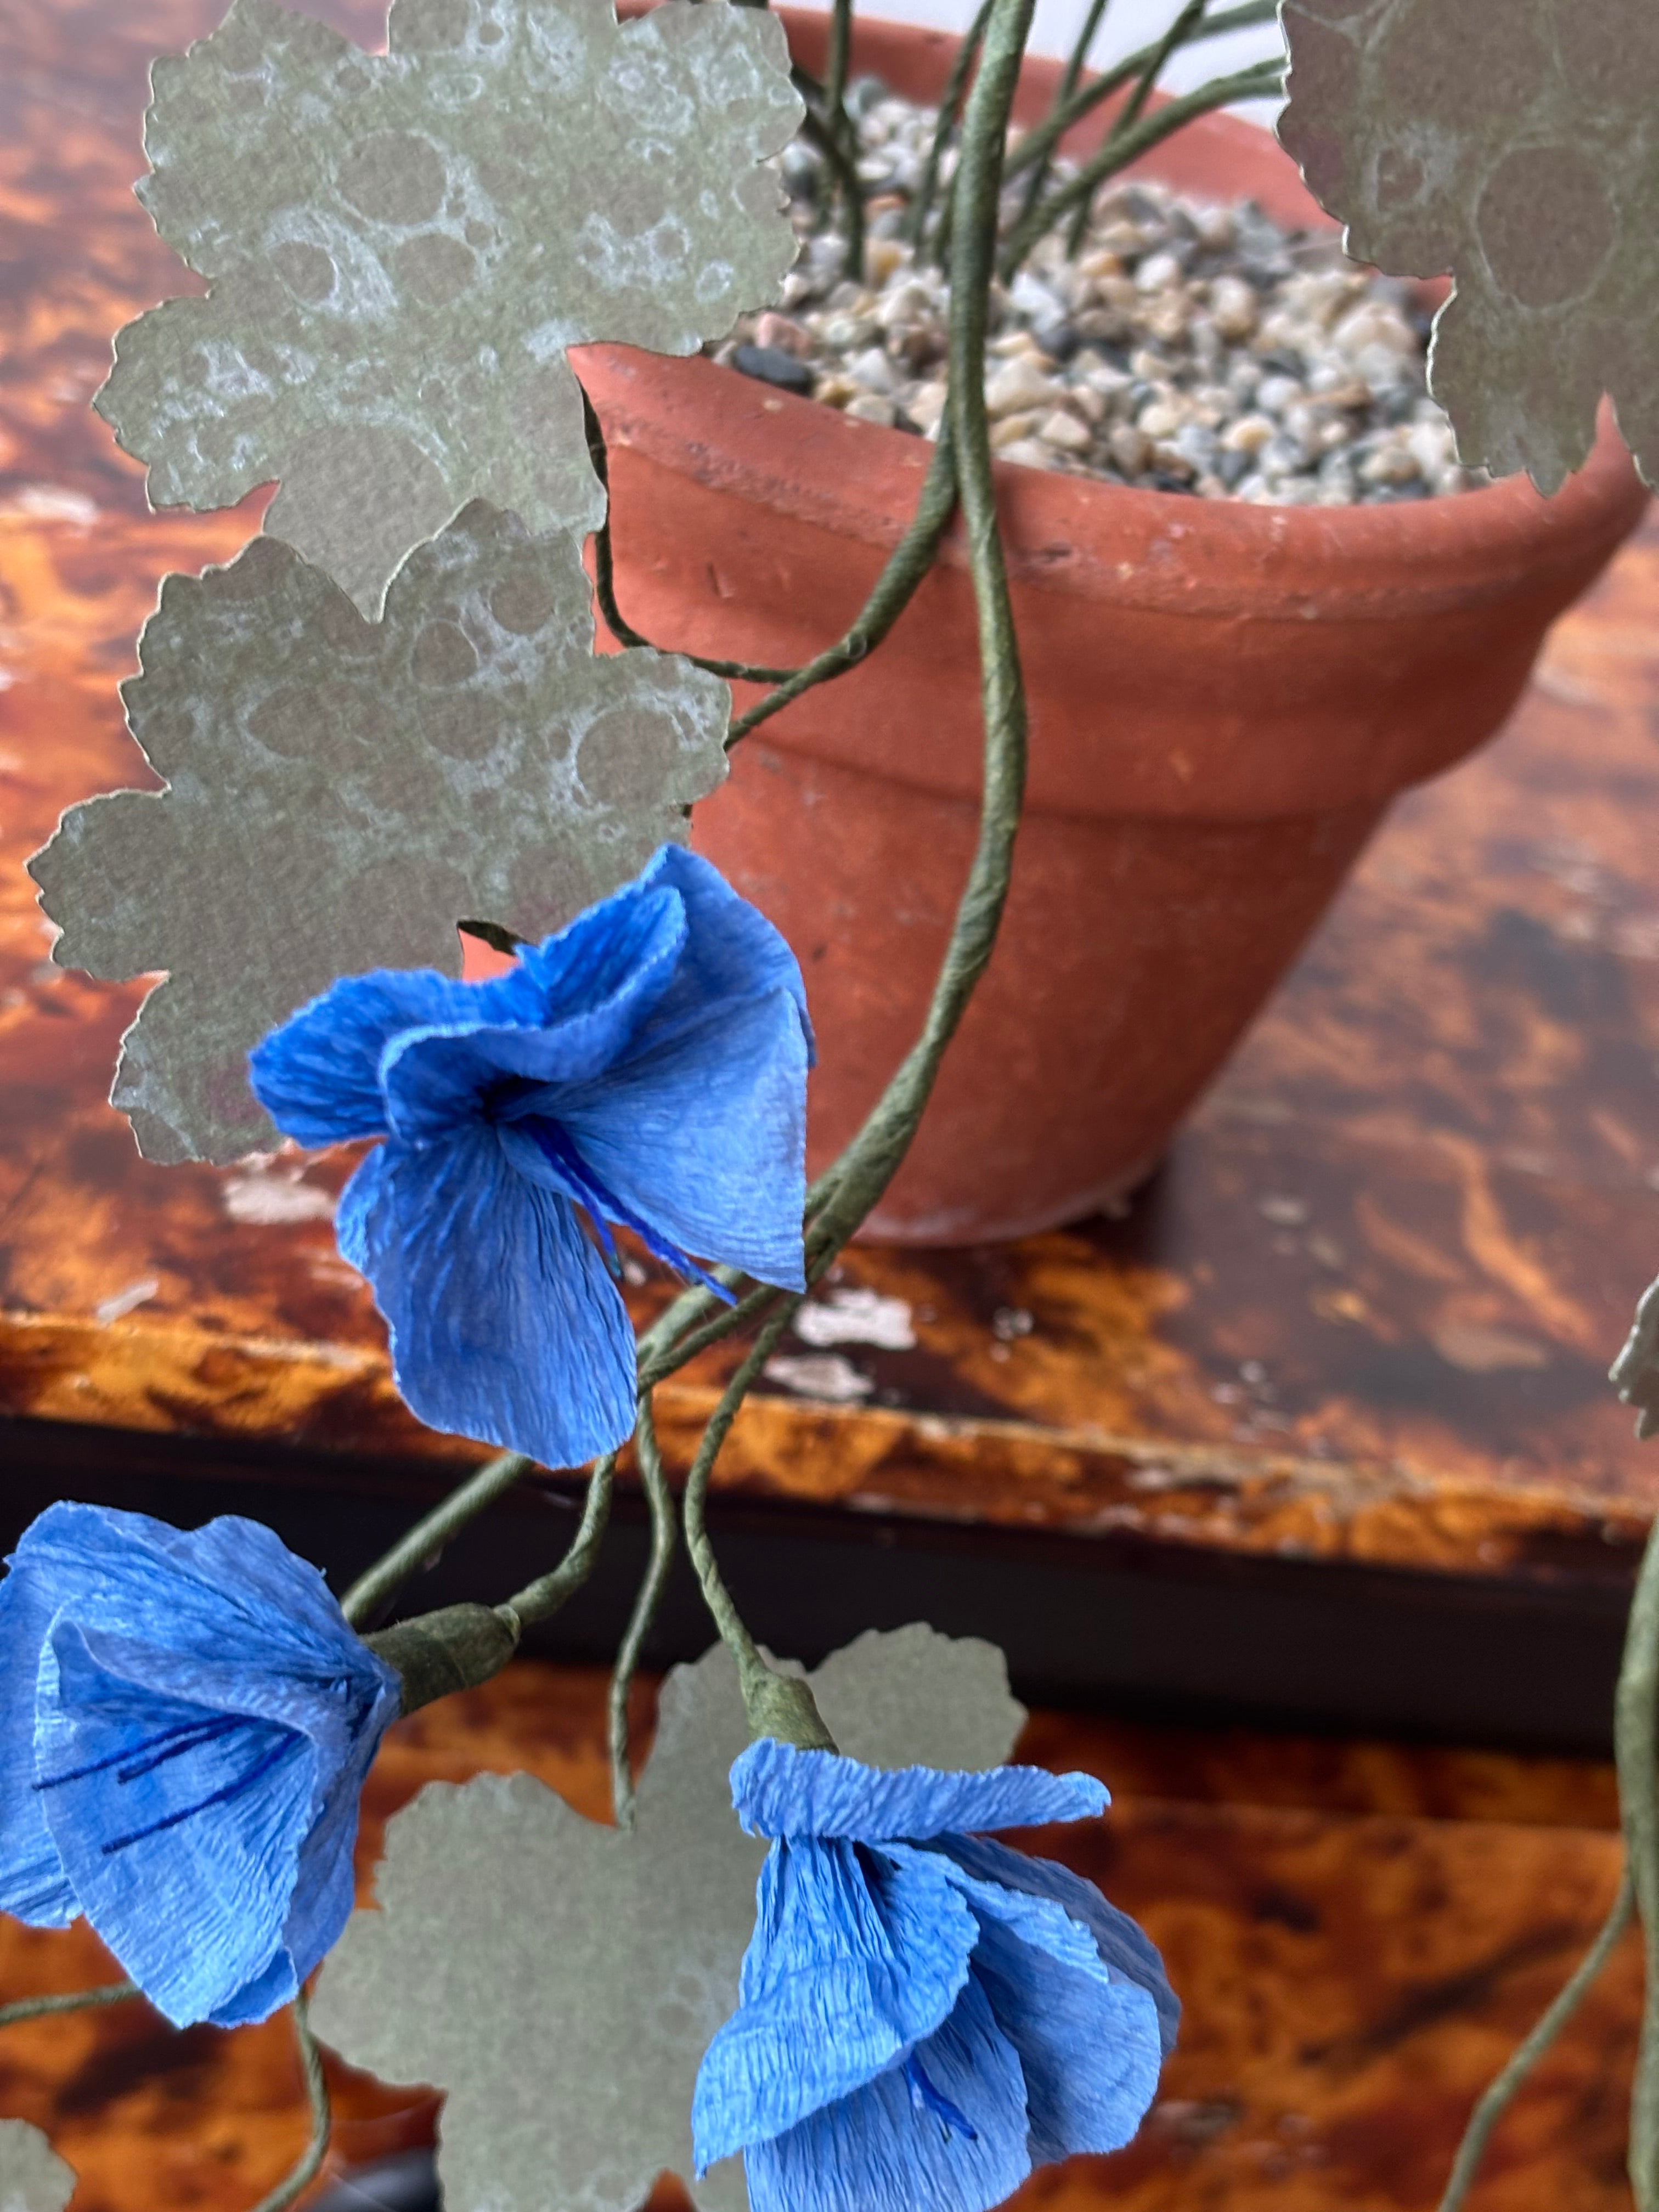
pixel 1185 347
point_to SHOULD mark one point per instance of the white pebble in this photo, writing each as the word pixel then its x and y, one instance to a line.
pixel 1029 454
pixel 1065 431
pixel 1232 307
pixel 873 371
pixel 871 407
pixel 1017 383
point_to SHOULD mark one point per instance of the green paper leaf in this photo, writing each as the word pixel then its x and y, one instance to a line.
pixel 1517 148
pixel 402 246
pixel 342 792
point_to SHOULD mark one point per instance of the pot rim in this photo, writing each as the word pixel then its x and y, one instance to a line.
pixel 780 450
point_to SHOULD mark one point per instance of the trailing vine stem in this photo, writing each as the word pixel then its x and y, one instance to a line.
pixel 950 108
pixel 542 1598
pixel 833 134
pixel 1500 2093
pixel 604 573
pixel 379 1583
pixel 776 1705
pixel 892 592
pixel 106 1993
pixel 1181 25
pixel 1036 145
pixel 661 1500
pixel 717 1599
pixel 316 2150
pixel 1635 1749
pixel 1063 91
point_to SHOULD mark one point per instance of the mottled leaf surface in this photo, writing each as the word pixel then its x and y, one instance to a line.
pixel 401 246
pixel 341 793
pixel 1516 148
pixel 560 1980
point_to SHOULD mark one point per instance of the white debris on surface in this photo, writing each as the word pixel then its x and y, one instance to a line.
pixel 823 1375
pixel 269 1195
pixel 122 1302
pixel 856 1316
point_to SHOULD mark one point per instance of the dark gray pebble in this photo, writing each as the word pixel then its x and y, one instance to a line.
pixel 771 365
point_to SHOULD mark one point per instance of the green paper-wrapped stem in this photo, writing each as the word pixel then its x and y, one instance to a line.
pixel 660 1501
pixel 316 2150
pixel 106 1993
pixel 1122 148
pixel 379 1583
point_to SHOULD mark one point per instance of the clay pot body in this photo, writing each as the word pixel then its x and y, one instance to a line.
pixel 1224 700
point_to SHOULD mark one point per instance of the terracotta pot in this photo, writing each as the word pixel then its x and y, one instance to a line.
pixel 1224 700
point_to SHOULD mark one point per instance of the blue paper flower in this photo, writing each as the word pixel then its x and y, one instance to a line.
pixel 646 1064
pixel 924 2016
pixel 186 1722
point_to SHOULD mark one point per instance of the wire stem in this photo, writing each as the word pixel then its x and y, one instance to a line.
pixel 660 1499
pixel 950 108
pixel 724 1614
pixel 834 135
pixel 310 2065
pixel 906 565
pixel 1039 143
pixel 106 1993
pixel 1122 148
pixel 1063 91
pixel 542 1598
pixel 378 1584
pixel 1181 28
pixel 1500 2093
pixel 869 1162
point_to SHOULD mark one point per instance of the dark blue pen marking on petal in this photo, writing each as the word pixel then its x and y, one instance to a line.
pixel 235 1787
pixel 183 1736
pixel 926 2098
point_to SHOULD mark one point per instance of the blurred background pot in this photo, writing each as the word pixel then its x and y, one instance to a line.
pixel 1224 700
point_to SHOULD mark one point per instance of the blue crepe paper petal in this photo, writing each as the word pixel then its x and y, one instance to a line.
pixel 1088 2038
pixel 32 1885
pixel 780 1790
pixel 878 2150
pixel 853 1960
pixel 318 1075
pixel 504 1323
pixel 435 1079
pixel 705 1137
pixel 732 951
pixel 1122 1942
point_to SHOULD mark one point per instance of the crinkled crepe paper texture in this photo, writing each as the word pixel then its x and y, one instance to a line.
pixel 342 793
pixel 402 246
pixel 560 1980
pixel 1514 144
pixel 32 2178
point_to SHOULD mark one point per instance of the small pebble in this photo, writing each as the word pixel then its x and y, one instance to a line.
pixel 773 366
pixel 1188 347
